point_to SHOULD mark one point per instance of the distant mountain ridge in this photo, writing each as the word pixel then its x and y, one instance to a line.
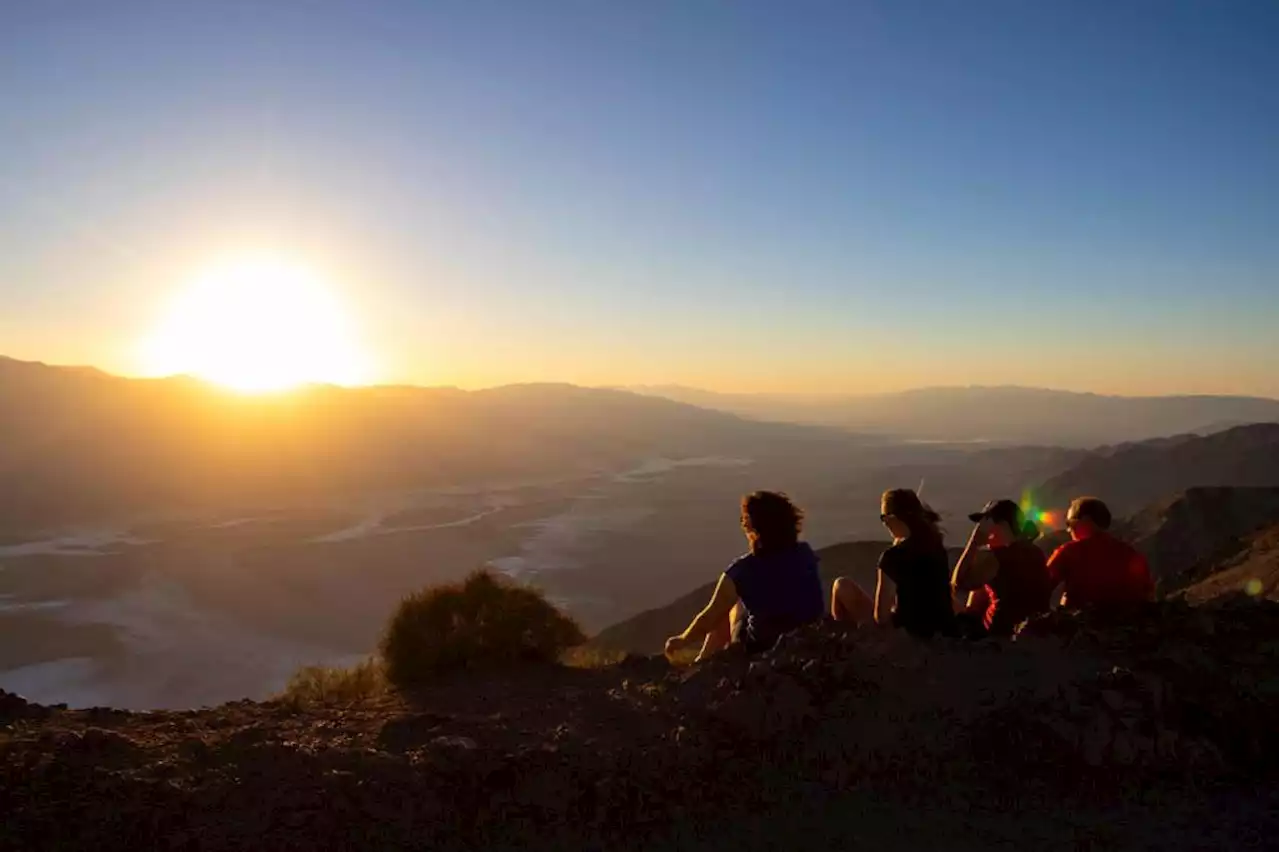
pixel 1190 535
pixel 1251 567
pixel 1008 414
pixel 1132 476
pixel 76 444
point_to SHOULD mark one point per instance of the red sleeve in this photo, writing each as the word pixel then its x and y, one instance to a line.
pixel 1059 564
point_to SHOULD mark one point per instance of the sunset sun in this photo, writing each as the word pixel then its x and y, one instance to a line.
pixel 257 324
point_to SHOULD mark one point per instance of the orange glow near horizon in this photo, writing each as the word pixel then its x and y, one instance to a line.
pixel 257 324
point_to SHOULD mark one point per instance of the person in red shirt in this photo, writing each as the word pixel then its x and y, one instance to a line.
pixel 1095 568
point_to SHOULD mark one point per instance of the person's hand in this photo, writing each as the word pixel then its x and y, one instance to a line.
pixel 675 645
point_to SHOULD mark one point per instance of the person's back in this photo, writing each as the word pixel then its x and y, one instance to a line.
pixel 1095 568
pixel 1100 571
pixel 771 590
pixel 920 570
pixel 780 590
pixel 1020 589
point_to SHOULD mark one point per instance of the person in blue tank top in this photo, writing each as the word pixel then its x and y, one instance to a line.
pixel 771 590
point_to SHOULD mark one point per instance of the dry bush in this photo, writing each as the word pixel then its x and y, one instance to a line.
pixel 333 685
pixel 590 657
pixel 483 622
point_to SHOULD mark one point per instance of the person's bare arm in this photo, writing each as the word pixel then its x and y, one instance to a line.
pixel 715 613
pixel 886 599
pixel 1058 565
pixel 977 565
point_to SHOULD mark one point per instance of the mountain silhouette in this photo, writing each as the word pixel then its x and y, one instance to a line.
pixel 1017 415
pixel 1250 567
pixel 81 445
pixel 1198 527
pixel 1133 475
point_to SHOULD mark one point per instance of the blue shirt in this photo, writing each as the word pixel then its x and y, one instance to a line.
pixel 780 591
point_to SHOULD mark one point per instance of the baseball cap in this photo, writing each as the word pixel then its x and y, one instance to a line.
pixel 1005 511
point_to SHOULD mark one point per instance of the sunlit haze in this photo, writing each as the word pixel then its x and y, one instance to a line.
pixel 257 324
pixel 758 196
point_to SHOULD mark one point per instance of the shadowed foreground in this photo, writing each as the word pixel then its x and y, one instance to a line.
pixel 1080 734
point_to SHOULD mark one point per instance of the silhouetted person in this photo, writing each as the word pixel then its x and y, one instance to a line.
pixel 912 578
pixel 1003 571
pixel 771 590
pixel 1095 568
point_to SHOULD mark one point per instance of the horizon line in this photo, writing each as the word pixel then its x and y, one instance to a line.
pixel 644 389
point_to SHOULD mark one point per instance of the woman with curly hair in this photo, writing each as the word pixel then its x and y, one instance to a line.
pixel 913 580
pixel 771 590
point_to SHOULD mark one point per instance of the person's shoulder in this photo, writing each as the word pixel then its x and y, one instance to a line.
pixel 744 563
pixel 895 553
pixel 806 553
pixel 1024 549
pixel 1121 547
pixel 1065 550
pixel 895 547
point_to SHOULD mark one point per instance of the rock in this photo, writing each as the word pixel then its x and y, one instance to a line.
pixel 464 743
pixel 761 713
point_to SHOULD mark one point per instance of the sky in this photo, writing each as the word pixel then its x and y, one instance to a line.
pixel 741 196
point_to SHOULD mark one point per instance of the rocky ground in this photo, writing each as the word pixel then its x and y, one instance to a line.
pixel 1155 730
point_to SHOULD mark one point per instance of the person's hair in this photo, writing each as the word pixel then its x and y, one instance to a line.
pixel 770 520
pixel 905 505
pixel 1093 510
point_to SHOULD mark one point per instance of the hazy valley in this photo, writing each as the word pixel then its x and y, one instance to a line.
pixel 164 544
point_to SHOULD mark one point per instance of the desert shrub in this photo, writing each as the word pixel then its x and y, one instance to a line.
pixel 591 657
pixel 484 622
pixel 331 684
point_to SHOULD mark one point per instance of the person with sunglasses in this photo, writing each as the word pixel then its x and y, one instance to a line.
pixel 912 577
pixel 1095 568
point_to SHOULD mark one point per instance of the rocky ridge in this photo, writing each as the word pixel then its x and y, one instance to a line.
pixel 1153 727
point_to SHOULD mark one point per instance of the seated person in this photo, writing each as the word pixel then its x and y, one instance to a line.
pixel 769 591
pixel 1095 568
pixel 912 588
pixel 1003 571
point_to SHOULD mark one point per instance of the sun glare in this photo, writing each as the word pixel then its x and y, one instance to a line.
pixel 257 324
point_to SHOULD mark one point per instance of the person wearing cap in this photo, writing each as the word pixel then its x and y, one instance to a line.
pixel 1003 571
pixel 912 588
pixel 1095 568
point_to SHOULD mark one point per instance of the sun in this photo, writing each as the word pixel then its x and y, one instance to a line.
pixel 257 324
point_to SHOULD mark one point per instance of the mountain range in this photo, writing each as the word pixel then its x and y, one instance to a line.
pixel 78 445
pixel 1133 475
pixel 150 529
pixel 1009 415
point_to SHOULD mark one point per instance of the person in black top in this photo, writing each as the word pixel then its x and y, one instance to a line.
pixel 913 583
pixel 1002 571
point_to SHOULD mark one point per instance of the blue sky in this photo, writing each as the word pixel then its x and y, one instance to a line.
pixel 743 196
